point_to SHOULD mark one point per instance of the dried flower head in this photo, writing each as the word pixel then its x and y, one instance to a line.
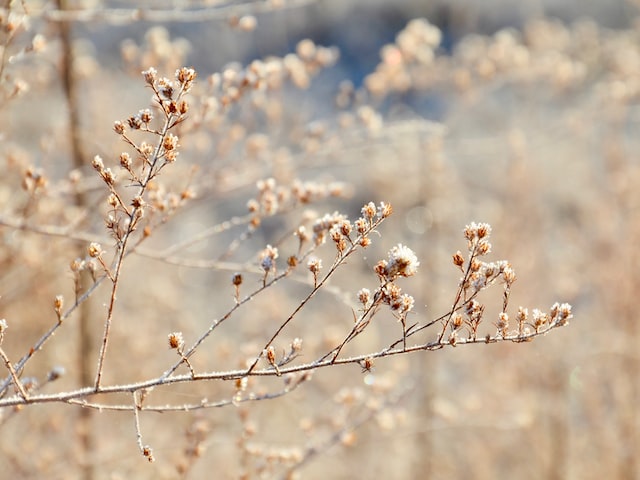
pixel 503 323
pixel 296 345
pixel 58 304
pixel 97 163
pixel 402 262
pixel 186 76
pixel 170 142
pixel 77 265
pixel 94 250
pixel 361 226
pixel 125 160
pixel 119 127
pixel 366 364
pixel 30 383
pixel 146 116
pixel 560 314
pixel 364 295
pixel 314 265
pixel 302 234
pixel 165 88
pixel 138 202
pixel 3 328
pixel 403 304
pixel 476 231
pixel 150 75
pixel 176 340
pixel 324 225
pixel 55 373
pixel 148 453
pixel 458 259
pixel 268 257
pixel 369 211
pixel 384 210
pixel 134 122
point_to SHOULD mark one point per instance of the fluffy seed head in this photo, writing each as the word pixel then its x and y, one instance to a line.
pixel 402 262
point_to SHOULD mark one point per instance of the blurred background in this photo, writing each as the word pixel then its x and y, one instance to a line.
pixel 523 115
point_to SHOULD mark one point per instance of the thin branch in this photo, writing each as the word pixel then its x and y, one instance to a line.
pixel 66 397
pixel 461 289
pixel 170 120
pixel 69 232
pixel 144 449
pixel 16 381
pixel 315 450
pixel 215 323
pixel 122 16
pixel 317 286
pixel 188 407
pixel 50 333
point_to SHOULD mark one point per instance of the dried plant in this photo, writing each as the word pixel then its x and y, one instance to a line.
pixel 137 209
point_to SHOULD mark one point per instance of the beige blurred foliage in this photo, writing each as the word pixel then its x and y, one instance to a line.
pixel 499 115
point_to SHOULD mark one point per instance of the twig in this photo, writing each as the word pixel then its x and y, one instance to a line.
pixel 66 397
pixel 144 449
pixel 122 16
pixel 171 119
pixel 315 450
pixel 317 286
pixel 16 381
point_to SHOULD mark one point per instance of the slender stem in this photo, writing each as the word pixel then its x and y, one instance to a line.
pixel 458 296
pixel 317 286
pixel 144 449
pixel 16 381
pixel 122 246
pixel 83 393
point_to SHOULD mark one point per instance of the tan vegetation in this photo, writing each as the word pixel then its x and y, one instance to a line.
pixel 260 270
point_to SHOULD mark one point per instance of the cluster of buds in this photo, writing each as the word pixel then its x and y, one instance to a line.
pixel 105 173
pixel 477 234
pixel 245 23
pixel 401 262
pixel 235 82
pixel 273 198
pixel 470 319
pixel 473 315
pixel 502 324
pixel 558 316
pixel 483 274
pixel 167 89
pixel 412 52
pixel 400 303
pixel 270 197
pixel 169 95
pixel 478 275
pixel 141 120
pixel 335 222
pixel 33 180
pixel 339 228
pixel 122 219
